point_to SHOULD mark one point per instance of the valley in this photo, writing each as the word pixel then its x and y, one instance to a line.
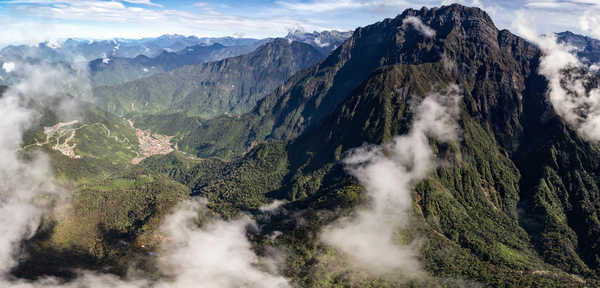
pixel 151 144
pixel 63 137
pixel 430 149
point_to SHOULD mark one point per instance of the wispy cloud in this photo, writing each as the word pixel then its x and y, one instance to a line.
pixel 419 26
pixel 573 96
pixel 371 5
pixel 143 2
pixel 48 19
pixel 388 174
pixel 323 6
pixel 108 19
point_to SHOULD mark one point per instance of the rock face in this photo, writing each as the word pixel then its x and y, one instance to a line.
pixel 467 44
pixel 588 49
pixel 513 203
pixel 517 196
pixel 231 85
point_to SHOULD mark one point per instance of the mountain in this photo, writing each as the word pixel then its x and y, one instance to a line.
pixel 588 49
pixel 325 41
pixel 117 70
pixel 121 60
pixel 68 49
pixel 309 95
pixel 512 205
pixel 231 85
pixel 83 50
pixel 511 202
pixel 175 42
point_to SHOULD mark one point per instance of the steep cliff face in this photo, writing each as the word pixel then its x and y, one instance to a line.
pixel 515 202
pixel 493 65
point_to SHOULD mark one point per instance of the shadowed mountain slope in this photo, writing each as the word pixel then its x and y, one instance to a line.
pixel 513 204
pixel 231 85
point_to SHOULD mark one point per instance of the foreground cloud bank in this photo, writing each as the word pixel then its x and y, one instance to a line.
pixel 218 254
pixel 388 174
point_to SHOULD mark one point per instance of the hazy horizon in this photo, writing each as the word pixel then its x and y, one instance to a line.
pixel 42 20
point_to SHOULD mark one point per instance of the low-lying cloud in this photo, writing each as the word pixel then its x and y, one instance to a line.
pixel 8 67
pixel 388 174
pixel 214 254
pixel 26 195
pixel 419 26
pixel 568 82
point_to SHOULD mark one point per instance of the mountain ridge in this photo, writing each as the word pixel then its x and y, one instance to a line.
pixel 511 202
pixel 501 199
pixel 210 89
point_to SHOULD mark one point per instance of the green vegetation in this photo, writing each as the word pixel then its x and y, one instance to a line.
pixel 514 202
pixel 474 210
pixel 232 85
pixel 115 206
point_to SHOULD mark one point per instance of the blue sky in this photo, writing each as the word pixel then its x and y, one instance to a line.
pixel 32 21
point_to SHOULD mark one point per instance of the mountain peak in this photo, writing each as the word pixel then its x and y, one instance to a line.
pixel 588 49
pixel 444 19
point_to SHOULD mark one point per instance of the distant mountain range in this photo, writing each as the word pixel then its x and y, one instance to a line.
pixel 70 49
pixel 512 202
pixel 232 85
pixel 121 60
pixel 116 70
pixel 325 41
pixel 588 49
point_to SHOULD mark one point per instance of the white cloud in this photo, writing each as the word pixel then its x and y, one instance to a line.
pixel 388 174
pixel 371 5
pixel 549 4
pixel 217 254
pixel 323 6
pixel 54 44
pixel 571 98
pixel 419 26
pixel 99 19
pixel 8 66
pixel 25 190
pixel 590 23
pixel 143 2
pixel 565 4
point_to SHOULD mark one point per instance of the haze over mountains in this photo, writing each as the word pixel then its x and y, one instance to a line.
pixel 587 48
pixel 233 85
pixel 121 60
pixel 426 150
